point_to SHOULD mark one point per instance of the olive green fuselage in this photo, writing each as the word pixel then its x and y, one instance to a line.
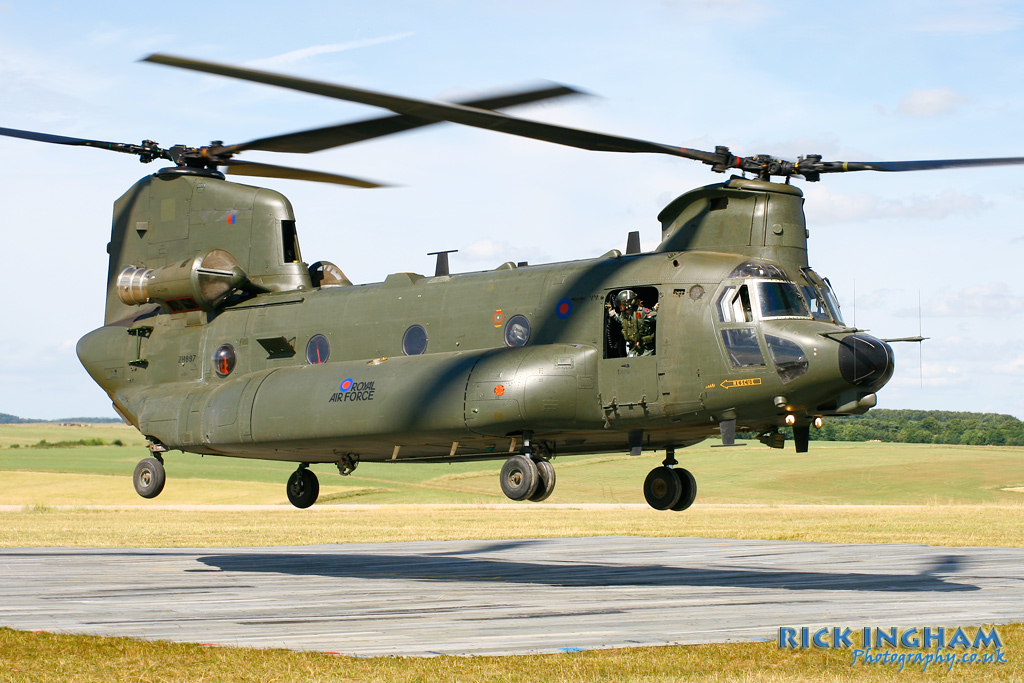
pixel 468 394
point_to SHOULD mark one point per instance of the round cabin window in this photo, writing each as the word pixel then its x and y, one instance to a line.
pixel 224 360
pixel 414 342
pixel 517 331
pixel 318 349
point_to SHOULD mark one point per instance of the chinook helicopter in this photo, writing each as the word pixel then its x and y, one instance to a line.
pixel 219 339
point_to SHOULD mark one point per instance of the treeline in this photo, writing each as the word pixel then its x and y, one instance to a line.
pixel 72 444
pixel 7 419
pixel 923 426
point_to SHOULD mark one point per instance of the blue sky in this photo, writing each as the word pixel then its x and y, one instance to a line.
pixel 852 81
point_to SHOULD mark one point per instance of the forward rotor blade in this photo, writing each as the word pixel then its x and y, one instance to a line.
pixel 318 139
pixel 252 168
pixel 441 111
pixel 898 166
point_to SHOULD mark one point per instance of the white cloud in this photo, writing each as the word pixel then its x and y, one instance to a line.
pixel 926 102
pixel 940 375
pixel 296 56
pixel 991 300
pixel 487 250
pixel 37 82
pixel 973 17
pixel 745 11
pixel 835 207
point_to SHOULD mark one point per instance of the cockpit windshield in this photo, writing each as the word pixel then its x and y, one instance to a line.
pixel 767 298
pixel 781 300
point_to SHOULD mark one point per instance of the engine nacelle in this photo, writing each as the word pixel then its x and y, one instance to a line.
pixel 202 282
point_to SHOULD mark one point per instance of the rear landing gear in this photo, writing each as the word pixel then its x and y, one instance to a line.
pixel 524 478
pixel 546 483
pixel 303 487
pixel 669 487
pixel 149 477
pixel 519 477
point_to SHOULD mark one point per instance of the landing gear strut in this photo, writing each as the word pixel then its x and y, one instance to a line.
pixel 669 487
pixel 303 487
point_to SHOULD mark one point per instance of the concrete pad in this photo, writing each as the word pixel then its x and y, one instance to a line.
pixel 504 597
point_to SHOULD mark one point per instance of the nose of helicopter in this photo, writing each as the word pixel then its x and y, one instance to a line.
pixel 865 361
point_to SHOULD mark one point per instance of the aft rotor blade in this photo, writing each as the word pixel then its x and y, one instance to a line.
pixel 143 150
pixel 318 139
pixel 252 168
pixel 442 111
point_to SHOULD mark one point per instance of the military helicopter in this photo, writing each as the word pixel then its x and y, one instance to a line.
pixel 219 339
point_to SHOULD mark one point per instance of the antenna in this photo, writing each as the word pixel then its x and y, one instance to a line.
pixel 920 345
pixel 441 267
pixel 633 242
pixel 919 340
pixel 855 302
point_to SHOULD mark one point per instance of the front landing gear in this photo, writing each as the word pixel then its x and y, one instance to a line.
pixel 303 487
pixel 149 477
pixel 669 487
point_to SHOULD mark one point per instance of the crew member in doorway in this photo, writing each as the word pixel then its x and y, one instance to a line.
pixel 637 322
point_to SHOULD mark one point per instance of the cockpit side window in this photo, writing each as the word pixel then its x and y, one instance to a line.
pixel 824 305
pixel 742 347
pixel 734 305
pixel 819 309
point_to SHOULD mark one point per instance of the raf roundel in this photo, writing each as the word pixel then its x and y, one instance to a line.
pixel 563 309
pixel 345 385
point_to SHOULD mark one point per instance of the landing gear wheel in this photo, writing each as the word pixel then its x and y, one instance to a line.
pixel 149 478
pixel 662 488
pixel 688 489
pixel 303 488
pixel 519 477
pixel 546 483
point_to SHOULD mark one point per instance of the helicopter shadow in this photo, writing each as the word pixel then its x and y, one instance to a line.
pixel 462 566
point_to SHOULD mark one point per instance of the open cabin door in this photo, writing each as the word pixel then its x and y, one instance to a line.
pixel 628 370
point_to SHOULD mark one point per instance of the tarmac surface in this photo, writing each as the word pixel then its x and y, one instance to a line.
pixel 504 597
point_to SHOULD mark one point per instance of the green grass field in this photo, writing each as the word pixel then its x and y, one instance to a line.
pixel 831 474
pixel 854 493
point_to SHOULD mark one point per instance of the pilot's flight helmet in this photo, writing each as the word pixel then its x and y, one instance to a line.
pixel 626 297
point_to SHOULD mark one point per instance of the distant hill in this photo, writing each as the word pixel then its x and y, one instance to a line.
pixel 6 419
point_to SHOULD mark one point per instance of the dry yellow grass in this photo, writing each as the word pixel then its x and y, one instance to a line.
pixel 55 488
pixel 140 526
pixel 49 658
